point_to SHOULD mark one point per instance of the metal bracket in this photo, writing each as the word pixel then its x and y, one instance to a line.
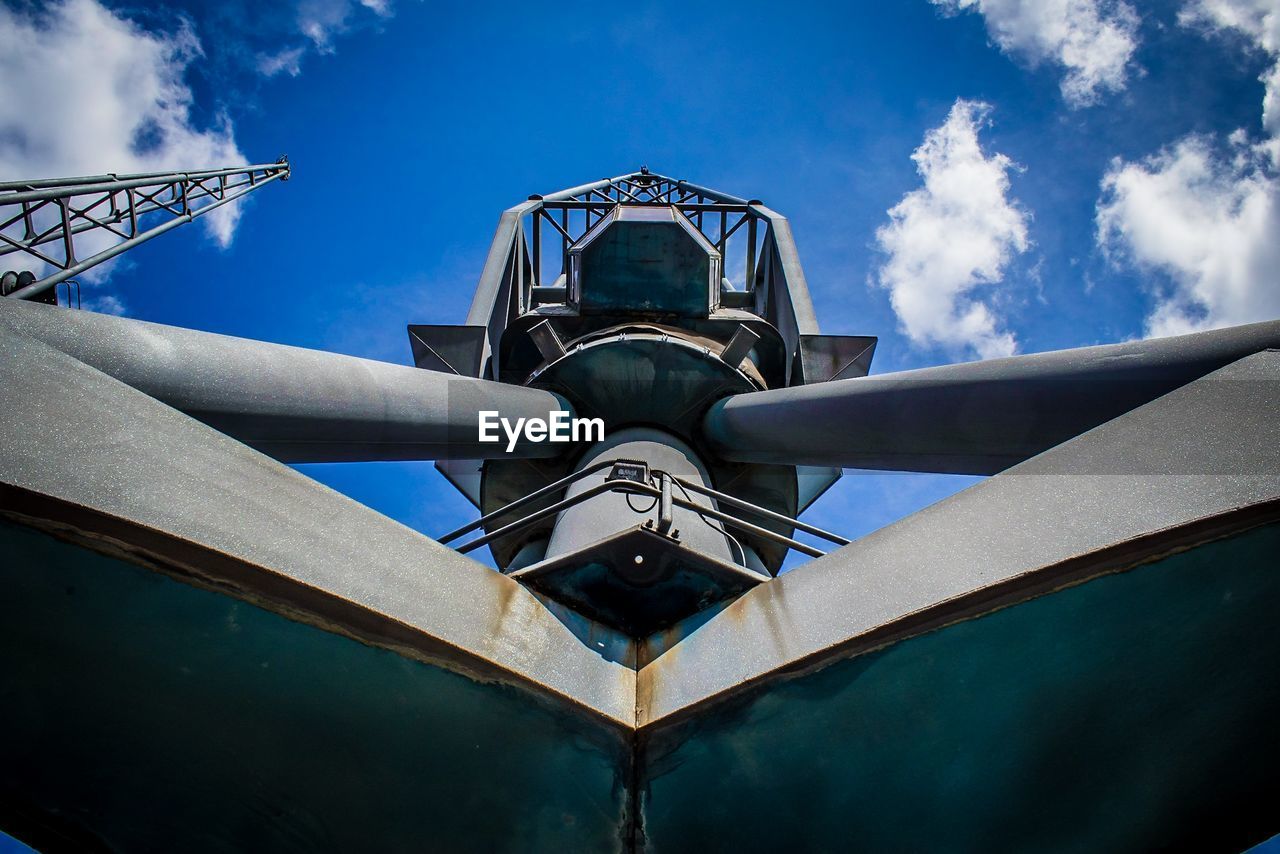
pixel 664 503
pixel 739 346
pixel 547 341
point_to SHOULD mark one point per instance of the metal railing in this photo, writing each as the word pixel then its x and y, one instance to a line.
pixel 520 272
pixel 42 219
pixel 664 501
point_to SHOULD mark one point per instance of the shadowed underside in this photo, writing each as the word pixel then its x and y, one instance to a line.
pixel 247 655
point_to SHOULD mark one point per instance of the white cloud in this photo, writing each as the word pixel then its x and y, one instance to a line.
pixel 1206 217
pixel 286 61
pixel 104 304
pixel 1093 40
pixel 86 92
pixel 321 20
pixel 1257 19
pixel 1210 223
pixel 952 236
pixel 1259 22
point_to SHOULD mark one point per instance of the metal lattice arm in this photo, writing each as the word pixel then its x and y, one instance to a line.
pixel 42 219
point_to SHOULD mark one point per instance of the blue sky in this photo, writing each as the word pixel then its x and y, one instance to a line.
pixel 1086 171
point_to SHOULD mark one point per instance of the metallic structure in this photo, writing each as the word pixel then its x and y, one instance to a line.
pixel 1078 653
pixel 40 221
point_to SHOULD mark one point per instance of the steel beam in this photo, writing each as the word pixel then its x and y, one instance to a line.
pixel 1187 467
pixel 294 404
pixel 114 204
pixel 972 418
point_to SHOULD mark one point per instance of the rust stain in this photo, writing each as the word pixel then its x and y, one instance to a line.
pixel 211 569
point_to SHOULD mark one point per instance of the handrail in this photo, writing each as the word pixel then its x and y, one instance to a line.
pixel 633 487
pixel 520 502
pixel 760 511
pixel 772 277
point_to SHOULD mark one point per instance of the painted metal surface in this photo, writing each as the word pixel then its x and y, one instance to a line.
pixel 619 559
pixel 679 582
pixel 976 417
pixel 519 267
pixel 613 377
pixel 1205 450
pixel 191 503
pixel 98 457
pixel 1134 712
pixel 585 523
pixel 638 245
pixel 643 260
pixel 295 404
pixel 145 714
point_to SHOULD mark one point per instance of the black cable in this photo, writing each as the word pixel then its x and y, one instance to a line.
pixel 648 509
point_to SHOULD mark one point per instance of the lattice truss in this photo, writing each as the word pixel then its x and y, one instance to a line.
pixel 571 214
pixel 52 230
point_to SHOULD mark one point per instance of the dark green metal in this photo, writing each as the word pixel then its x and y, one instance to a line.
pixel 1130 713
pixel 645 268
pixel 144 714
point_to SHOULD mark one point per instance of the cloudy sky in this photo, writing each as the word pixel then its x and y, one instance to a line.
pixel 965 178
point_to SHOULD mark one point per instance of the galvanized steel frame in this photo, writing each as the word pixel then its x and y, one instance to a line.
pixel 114 204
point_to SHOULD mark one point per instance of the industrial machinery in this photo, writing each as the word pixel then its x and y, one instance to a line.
pixel 202 649
pixel 615 297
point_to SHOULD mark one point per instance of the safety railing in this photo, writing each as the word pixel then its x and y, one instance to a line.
pixel 633 477
pixel 759 255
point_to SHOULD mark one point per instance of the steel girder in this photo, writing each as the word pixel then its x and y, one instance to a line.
pixel 41 220
pixel 294 404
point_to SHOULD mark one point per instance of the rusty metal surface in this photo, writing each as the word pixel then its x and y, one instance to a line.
pixel 147 714
pixel 1210 448
pixel 186 497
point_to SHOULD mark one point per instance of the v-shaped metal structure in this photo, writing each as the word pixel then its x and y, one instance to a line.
pixel 203 649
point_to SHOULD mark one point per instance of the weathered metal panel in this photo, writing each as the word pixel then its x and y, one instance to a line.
pixel 1218 450
pixel 1135 712
pixel 645 267
pixel 115 465
pixel 145 714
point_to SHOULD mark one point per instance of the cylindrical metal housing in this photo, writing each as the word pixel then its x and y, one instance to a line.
pixel 606 514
